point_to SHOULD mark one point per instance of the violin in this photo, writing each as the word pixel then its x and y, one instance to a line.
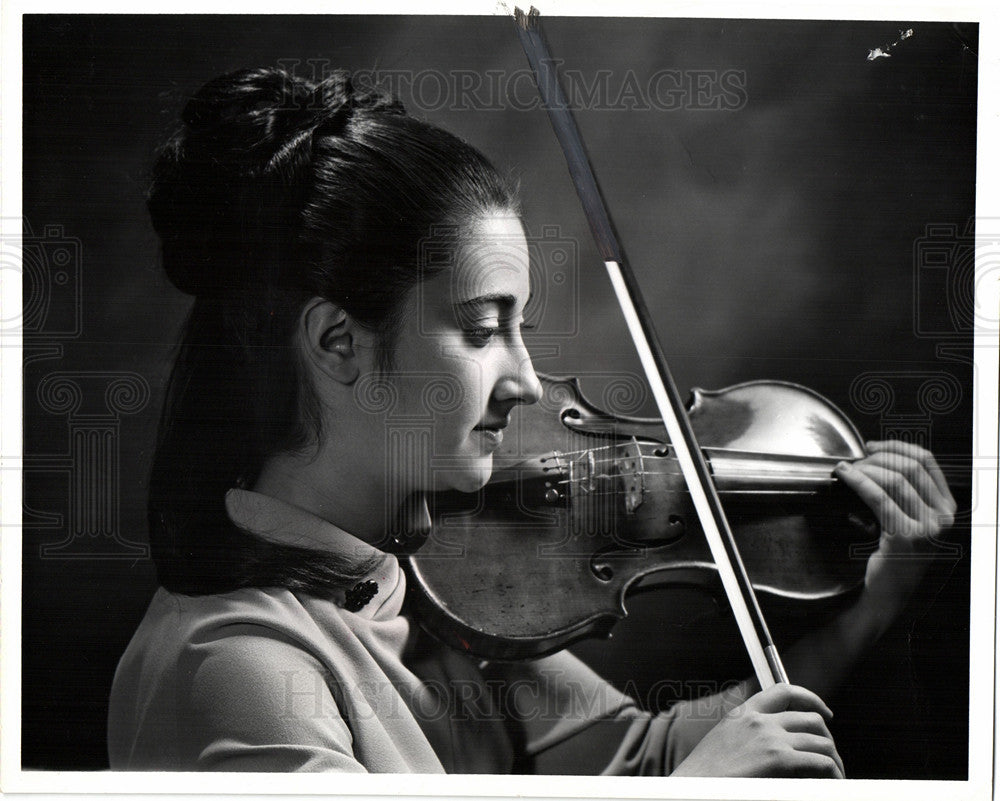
pixel 582 504
pixel 593 488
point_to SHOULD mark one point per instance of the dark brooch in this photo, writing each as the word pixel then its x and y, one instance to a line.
pixel 359 595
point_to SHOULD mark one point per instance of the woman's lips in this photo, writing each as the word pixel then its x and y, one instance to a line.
pixel 493 435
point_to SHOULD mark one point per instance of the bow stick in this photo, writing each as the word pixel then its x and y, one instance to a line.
pixel 757 638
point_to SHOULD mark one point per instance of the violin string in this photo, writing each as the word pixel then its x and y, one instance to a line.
pixel 783 493
pixel 817 466
pixel 821 469
pixel 602 448
pixel 710 450
pixel 562 462
pixel 602 461
pixel 612 476
pixel 820 462
pixel 560 454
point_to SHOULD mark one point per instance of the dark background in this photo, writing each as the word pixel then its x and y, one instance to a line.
pixel 816 233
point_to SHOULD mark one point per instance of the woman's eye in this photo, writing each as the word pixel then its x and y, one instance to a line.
pixel 482 335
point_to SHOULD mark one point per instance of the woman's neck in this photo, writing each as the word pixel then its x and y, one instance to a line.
pixel 321 484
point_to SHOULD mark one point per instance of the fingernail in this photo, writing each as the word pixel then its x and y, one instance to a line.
pixel 842 467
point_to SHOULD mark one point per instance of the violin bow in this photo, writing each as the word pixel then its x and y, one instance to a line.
pixel 756 636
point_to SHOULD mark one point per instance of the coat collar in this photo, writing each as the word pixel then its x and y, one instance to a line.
pixel 283 523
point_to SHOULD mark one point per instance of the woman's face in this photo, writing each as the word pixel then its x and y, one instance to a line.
pixel 459 363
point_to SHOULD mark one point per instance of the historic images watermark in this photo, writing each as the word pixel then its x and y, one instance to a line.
pixel 51 267
pixel 431 90
pixel 956 266
pixel 87 524
pixel 946 308
pixel 544 695
pixel 950 262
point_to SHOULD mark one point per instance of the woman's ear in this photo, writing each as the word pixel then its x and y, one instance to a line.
pixel 329 334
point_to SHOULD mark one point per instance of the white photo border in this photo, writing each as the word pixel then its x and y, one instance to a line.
pixel 16 781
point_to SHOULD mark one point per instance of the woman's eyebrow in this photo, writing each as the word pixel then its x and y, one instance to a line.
pixel 502 299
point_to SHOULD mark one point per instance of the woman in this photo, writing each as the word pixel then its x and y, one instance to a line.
pixel 340 253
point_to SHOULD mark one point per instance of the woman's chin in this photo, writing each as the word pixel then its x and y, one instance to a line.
pixel 470 479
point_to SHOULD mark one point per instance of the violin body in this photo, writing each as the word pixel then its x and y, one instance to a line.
pixel 583 504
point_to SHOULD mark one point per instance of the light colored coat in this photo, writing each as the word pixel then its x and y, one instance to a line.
pixel 264 679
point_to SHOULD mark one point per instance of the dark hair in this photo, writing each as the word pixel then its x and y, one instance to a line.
pixel 276 190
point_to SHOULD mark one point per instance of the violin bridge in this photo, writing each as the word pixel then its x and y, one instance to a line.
pixel 630 471
pixel 560 472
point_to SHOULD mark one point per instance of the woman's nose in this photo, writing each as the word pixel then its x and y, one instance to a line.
pixel 532 391
pixel 520 384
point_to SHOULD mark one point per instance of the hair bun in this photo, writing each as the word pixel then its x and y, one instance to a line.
pixel 254 108
pixel 246 138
